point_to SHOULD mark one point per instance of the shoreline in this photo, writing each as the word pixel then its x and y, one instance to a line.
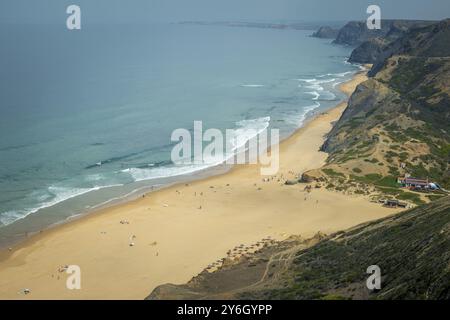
pixel 17 239
pixel 213 171
pixel 178 232
pixel 132 196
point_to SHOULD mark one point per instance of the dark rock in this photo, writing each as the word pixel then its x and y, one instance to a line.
pixel 325 33
pixel 308 177
pixel 368 52
pixel 355 33
pixel 423 41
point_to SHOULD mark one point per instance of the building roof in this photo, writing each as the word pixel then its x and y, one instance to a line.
pixel 413 180
pixel 416 180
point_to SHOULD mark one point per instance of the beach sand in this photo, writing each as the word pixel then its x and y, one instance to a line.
pixel 180 230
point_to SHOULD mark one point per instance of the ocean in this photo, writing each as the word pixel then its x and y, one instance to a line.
pixel 87 116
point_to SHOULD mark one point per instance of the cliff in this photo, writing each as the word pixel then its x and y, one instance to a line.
pixel 326 33
pixel 370 44
pixel 397 122
pixel 355 33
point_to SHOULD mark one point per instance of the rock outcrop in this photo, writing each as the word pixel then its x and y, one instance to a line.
pixel 355 33
pixel 311 176
pixel 368 51
pixel 326 33
pixel 370 44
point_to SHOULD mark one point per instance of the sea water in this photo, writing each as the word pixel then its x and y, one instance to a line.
pixel 86 117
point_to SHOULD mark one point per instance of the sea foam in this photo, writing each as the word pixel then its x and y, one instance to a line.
pixel 244 131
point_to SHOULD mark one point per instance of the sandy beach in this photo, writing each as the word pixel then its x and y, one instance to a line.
pixel 178 231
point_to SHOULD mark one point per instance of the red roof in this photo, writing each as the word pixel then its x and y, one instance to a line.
pixel 416 181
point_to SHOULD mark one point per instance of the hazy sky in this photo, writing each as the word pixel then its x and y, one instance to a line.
pixel 53 11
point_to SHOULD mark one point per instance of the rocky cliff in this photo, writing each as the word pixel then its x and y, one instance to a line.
pixel 369 51
pixel 371 43
pixel 398 121
pixel 355 33
pixel 326 33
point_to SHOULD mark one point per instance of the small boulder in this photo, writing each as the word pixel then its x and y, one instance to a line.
pixel 291 182
pixel 311 176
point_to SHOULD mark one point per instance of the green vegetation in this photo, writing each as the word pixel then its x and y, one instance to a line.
pixel 387 181
pixel 399 194
pixel 394 171
pixel 433 197
pixel 377 180
pixel 332 173
pixel 409 73
pixel 443 151
pixel 409 196
pixel 411 248
pixel 365 144
pixel 404 104
pixel 353 123
pixel 389 186
pixel 334 297
pixel 373 160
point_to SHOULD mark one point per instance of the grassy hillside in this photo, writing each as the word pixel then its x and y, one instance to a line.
pixel 412 250
pixel 397 122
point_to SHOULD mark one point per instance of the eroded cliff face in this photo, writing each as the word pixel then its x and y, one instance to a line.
pixel 370 44
pixel 368 51
pixel 355 33
pixel 429 41
pixel 326 33
pixel 398 121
